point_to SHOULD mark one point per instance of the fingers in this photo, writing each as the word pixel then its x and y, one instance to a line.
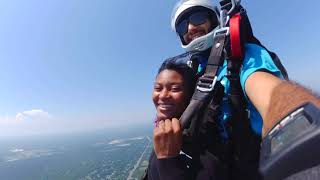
pixel 158 134
pixel 167 138
pixel 161 125
pixel 168 126
pixel 162 131
pixel 176 126
pixel 177 131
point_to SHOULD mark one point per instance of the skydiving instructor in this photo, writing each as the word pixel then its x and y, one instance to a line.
pixel 268 96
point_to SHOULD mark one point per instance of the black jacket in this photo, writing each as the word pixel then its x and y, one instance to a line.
pixel 205 167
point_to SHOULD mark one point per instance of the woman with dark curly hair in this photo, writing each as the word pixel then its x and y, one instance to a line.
pixel 173 89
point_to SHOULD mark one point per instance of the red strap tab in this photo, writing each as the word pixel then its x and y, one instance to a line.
pixel 235 39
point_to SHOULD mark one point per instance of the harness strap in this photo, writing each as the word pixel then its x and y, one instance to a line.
pixel 205 92
pixel 206 83
pixel 235 37
pixel 245 143
pixel 215 59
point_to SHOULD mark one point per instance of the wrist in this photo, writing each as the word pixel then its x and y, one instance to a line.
pixel 286 97
pixel 166 156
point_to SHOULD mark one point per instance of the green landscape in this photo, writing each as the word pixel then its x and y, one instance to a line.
pixel 89 156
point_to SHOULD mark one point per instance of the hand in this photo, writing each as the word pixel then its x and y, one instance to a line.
pixel 167 138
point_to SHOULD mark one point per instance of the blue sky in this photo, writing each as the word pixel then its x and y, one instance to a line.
pixel 79 64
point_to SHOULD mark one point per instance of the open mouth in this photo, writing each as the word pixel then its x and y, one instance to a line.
pixel 165 107
pixel 166 111
pixel 196 35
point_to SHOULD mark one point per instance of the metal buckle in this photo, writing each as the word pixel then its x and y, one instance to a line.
pixel 223 19
pixel 224 30
pixel 225 15
pixel 211 86
pixel 235 3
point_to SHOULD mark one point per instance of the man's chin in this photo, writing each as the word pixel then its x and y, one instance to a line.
pixel 197 35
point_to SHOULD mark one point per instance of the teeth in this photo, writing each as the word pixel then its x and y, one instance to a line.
pixel 195 37
pixel 165 106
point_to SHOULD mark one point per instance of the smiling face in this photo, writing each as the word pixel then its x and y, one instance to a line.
pixel 169 95
pixel 195 31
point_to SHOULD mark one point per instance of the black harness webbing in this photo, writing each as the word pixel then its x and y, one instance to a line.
pixel 206 83
pixel 204 93
pixel 245 144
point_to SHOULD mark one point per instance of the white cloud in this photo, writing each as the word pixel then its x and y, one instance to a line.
pixel 117 141
pixel 36 114
pixel 38 121
pixel 26 122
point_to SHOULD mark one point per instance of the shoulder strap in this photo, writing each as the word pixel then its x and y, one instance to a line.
pixel 245 144
pixel 206 83
pixel 203 95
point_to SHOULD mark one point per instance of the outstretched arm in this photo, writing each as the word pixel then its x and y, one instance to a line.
pixel 275 98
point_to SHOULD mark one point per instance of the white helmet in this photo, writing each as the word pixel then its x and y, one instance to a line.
pixel 201 43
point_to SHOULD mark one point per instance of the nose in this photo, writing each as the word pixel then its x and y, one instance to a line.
pixel 191 27
pixel 164 94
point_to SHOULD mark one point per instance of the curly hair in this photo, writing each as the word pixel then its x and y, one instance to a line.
pixel 188 74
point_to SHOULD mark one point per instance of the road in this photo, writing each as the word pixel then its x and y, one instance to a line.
pixel 139 160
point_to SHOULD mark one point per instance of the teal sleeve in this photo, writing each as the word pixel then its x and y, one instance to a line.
pixel 257 59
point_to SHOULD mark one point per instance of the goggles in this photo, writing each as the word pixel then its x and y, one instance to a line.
pixel 196 19
pixel 192 59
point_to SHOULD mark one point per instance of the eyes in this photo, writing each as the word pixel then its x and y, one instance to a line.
pixel 171 87
pixel 176 88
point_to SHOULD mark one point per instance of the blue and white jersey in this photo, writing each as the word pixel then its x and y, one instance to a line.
pixel 256 59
